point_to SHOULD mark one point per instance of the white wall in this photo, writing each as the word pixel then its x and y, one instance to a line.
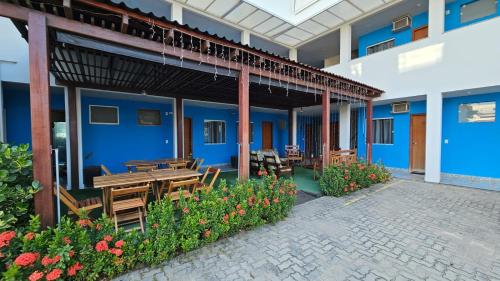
pixel 13 49
pixel 463 58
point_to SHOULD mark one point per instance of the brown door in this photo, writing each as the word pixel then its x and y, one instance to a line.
pixel 188 138
pixel 417 144
pixel 267 135
pixel 420 33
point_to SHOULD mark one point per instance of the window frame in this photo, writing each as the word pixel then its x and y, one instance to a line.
pixel 145 109
pixel 380 43
pixel 104 123
pixel 225 131
pixel 475 122
pixel 392 131
pixel 476 19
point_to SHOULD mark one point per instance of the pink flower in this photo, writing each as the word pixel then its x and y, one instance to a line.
pixel 108 238
pixel 83 222
pixel 276 200
pixel 26 259
pixel 72 270
pixel 241 212
pixel 225 198
pixel 238 207
pixel 101 246
pixel 196 198
pixel 35 276
pixel 71 253
pixel 202 222
pixel 266 202
pixel 119 244
pixel 346 177
pixel 225 219
pixel 5 238
pixel 54 274
pixel 207 232
pixel 185 210
pixel 116 252
pixel 66 240
pixel 29 236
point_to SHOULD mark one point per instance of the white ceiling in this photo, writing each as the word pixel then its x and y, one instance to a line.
pixel 288 22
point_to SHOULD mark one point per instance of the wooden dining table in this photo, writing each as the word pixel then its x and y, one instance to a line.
pixel 134 163
pixel 155 177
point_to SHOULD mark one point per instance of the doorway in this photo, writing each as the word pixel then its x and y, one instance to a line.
pixel 417 143
pixel 58 136
pixel 267 135
pixel 188 137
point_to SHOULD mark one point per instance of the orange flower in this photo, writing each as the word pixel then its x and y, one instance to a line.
pixel 71 253
pixel 233 213
pixel 225 219
pixel 185 210
pixel 54 274
pixel 101 246
pixel 72 270
pixel 5 238
pixel 202 222
pixel 266 202
pixel 35 276
pixel 206 234
pixel 225 198
pixel 119 244
pixel 345 189
pixel 83 222
pixel 276 200
pixel 241 212
pixel 29 236
pixel 26 259
pixel 66 240
pixel 108 238
pixel 98 226
pixel 155 225
pixel 238 207
pixel 196 198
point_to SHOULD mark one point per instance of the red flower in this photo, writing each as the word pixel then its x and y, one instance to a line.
pixel 266 202
pixel 185 211
pixel 29 236
pixel 206 234
pixel 202 222
pixel 251 200
pixel 259 173
pixel 346 177
pixel 196 198
pixel 225 219
pixel 265 173
pixel 372 177
pixel 98 226
pixel 119 244
pixel 83 222
pixel 54 274
pixel 35 276
pixel 101 246
pixel 26 259
pixel 345 189
pixel 108 238
pixel 238 207
pixel 72 270
pixel 351 184
pixel 242 212
pixel 46 261
pixel 116 252
pixel 276 200
pixel 5 238
pixel 346 172
pixel 71 253
pixel 225 198
pixel 66 240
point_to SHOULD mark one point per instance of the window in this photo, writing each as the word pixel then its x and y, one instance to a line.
pixel 382 131
pixel 250 133
pixel 477 112
pixel 477 9
pixel 106 115
pixel 214 132
pixel 380 47
pixel 148 117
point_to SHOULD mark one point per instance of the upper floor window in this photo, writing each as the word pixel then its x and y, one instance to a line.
pixel 383 132
pixel 214 132
pixel 149 117
pixel 477 9
pixel 380 46
pixel 104 115
pixel 477 112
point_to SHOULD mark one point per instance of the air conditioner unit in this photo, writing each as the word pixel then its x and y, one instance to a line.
pixel 401 23
pixel 400 107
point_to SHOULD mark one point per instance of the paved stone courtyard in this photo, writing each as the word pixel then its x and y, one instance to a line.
pixel 404 230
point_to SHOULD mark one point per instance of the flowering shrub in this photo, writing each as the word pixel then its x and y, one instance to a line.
pixel 343 179
pixel 93 251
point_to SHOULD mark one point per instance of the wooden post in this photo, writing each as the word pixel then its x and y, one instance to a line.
pixel 244 123
pixel 40 116
pixel 369 131
pixel 326 128
pixel 73 137
pixel 290 126
pixel 180 126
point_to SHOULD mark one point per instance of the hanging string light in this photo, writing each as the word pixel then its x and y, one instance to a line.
pixel 164 46
pixel 215 64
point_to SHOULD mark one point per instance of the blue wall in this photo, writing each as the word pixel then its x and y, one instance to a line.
pixel 452 19
pixel 385 33
pixel 395 155
pixel 472 148
pixel 112 145
pixel 221 153
pixel 17 110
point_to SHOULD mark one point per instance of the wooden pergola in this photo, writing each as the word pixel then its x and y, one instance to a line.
pixel 103 45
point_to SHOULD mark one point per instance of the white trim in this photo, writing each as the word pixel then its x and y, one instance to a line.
pixel 174 142
pixel 225 131
pixel 68 140
pixel 108 106
pixel 80 144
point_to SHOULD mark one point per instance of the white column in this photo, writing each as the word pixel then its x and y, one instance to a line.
pixel 345 126
pixel 292 54
pixel 81 184
pixel 433 137
pixel 436 17
pixel 176 12
pixel 174 127
pixel 245 37
pixel 345 43
pixel 294 126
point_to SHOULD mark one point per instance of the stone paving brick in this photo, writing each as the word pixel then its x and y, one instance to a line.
pixel 409 231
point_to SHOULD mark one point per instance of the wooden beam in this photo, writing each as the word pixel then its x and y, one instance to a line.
pixel 180 126
pixel 40 116
pixel 244 123
pixel 369 131
pixel 326 129
pixel 68 11
pixel 73 136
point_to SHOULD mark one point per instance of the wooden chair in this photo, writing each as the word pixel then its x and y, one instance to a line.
pixel 178 165
pixel 198 165
pixel 146 168
pixel 105 170
pixel 176 188
pixel 256 161
pixel 129 204
pixel 293 153
pixel 202 185
pixel 81 208
pixel 193 165
pixel 274 164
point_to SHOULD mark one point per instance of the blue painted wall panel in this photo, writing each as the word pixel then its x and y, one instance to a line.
pixel 452 18
pixel 472 148
pixel 112 145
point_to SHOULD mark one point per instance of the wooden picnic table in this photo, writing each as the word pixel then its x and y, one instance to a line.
pixel 134 163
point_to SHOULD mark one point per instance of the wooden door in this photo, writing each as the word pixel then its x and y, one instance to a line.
pixel 417 143
pixel 420 33
pixel 188 138
pixel 267 135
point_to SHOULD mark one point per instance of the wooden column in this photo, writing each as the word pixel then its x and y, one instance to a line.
pixel 244 123
pixel 73 137
pixel 326 128
pixel 40 116
pixel 369 130
pixel 180 126
pixel 290 126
